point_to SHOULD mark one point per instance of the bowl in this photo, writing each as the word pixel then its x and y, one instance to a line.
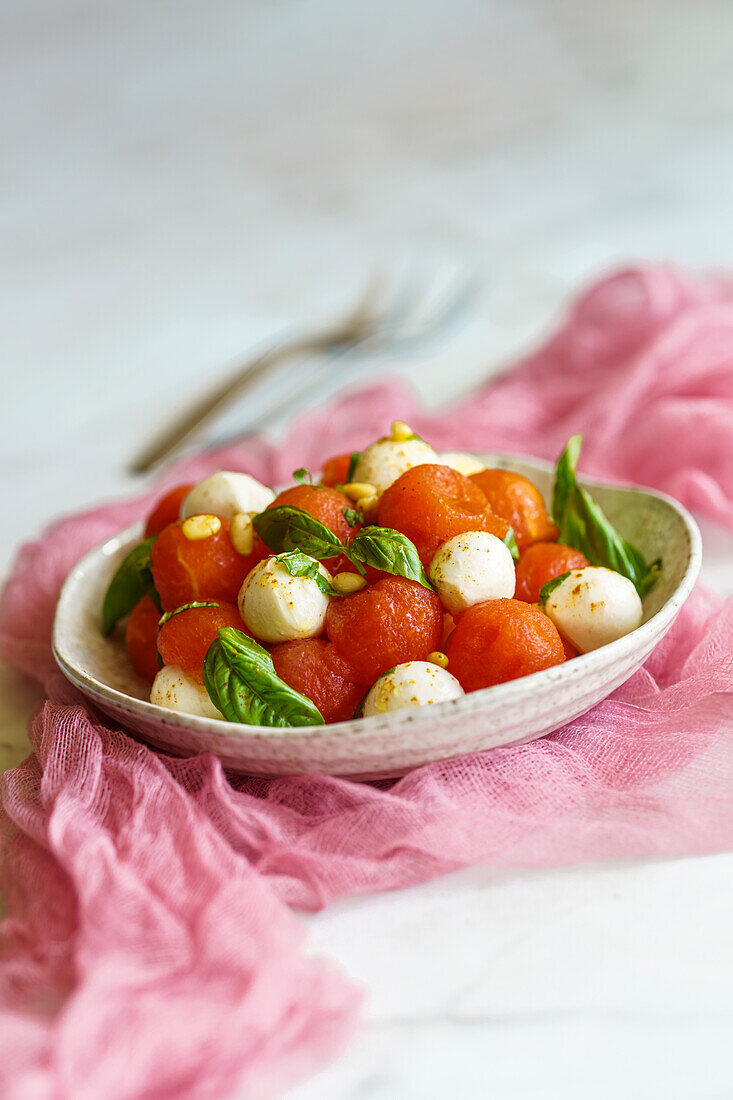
pixel 388 745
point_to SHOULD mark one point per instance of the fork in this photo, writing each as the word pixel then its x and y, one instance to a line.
pixel 374 321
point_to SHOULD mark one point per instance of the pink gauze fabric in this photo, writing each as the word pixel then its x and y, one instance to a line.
pixel 149 951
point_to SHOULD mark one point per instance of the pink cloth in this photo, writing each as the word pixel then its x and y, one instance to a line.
pixel 148 951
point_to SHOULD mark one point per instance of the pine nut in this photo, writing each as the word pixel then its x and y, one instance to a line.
pixel 200 527
pixel 242 533
pixel 438 659
pixel 348 583
pixel 368 506
pixel 356 489
pixel 401 431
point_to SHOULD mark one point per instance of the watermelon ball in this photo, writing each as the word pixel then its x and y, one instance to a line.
pixel 542 562
pixel 430 504
pixel 140 638
pixel 386 624
pixel 185 638
pixel 307 666
pixel 167 510
pixel 519 502
pixel 189 569
pixel 502 640
pixel 335 470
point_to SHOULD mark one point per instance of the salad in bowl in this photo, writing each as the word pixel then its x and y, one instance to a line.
pixel 395 579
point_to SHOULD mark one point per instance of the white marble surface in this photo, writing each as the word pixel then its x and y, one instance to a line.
pixel 182 180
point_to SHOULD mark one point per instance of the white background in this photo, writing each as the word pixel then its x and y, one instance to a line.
pixel 182 181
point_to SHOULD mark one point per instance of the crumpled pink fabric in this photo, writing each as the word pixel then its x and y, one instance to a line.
pixel 148 950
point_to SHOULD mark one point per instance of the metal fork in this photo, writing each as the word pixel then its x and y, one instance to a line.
pixel 374 321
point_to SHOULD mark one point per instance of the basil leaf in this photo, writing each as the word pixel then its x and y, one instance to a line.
pixel 304 477
pixel 549 587
pixel 584 526
pixel 186 607
pixel 565 481
pixel 352 516
pixel 388 550
pixel 355 456
pixel 242 683
pixel 131 582
pixel 287 528
pixel 359 568
pixel 300 565
pixel 510 541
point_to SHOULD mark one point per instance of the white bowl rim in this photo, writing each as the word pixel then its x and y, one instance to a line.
pixel 355 727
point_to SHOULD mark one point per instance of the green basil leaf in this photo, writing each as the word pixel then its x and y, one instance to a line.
pixel 352 516
pixel 584 526
pixel 241 681
pixel 565 481
pixel 303 476
pixel 388 550
pixel 186 607
pixel 510 541
pixel 300 565
pixel 131 582
pixel 286 528
pixel 550 587
pixel 355 456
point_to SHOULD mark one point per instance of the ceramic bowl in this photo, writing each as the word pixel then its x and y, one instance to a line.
pixel 391 744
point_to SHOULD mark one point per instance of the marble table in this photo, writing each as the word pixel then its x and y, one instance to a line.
pixel 184 182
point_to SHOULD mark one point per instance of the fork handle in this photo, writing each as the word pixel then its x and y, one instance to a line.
pixel 184 426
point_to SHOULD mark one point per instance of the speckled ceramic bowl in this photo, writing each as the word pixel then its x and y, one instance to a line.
pixel 391 744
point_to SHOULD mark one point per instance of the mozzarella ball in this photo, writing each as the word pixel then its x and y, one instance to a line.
pixel 414 684
pixel 174 690
pixel 277 607
pixel 458 460
pixel 384 461
pixel 224 494
pixel 472 568
pixel 594 606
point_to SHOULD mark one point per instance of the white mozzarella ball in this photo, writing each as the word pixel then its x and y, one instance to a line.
pixel 472 568
pixel 466 464
pixel 384 461
pixel 174 690
pixel 594 606
pixel 414 684
pixel 224 494
pixel 278 607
